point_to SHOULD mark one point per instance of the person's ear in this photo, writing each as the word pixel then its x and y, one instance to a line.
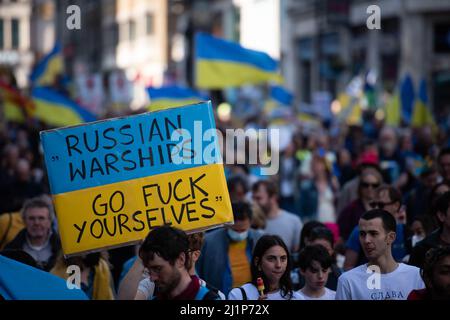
pixel 195 255
pixel 391 236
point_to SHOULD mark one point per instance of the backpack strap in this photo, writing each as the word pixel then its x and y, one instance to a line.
pixel 206 294
pixel 244 294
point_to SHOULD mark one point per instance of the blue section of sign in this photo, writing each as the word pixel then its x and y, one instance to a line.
pixel 122 149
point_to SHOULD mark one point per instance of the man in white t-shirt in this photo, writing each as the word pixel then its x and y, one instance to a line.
pixel 286 225
pixel 382 278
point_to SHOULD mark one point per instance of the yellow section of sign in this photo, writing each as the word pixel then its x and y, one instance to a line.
pixel 124 212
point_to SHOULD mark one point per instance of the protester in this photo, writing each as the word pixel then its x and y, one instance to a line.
pixel 226 254
pixel 278 222
pixel 315 263
pixel 439 237
pixel 436 275
pixel 272 263
pixel 96 278
pixel 165 254
pixel 37 238
pixel 389 199
pixel 317 195
pixel 369 181
pixel 382 278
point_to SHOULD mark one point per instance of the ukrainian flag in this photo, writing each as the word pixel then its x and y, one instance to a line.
pixel 277 96
pixel 422 115
pixel 172 96
pixel 351 111
pixel 58 110
pixel 48 68
pixel 407 97
pixel 222 64
pixel 15 106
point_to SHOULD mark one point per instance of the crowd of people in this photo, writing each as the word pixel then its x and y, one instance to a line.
pixel 355 212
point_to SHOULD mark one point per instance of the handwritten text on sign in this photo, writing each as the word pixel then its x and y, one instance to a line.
pixel 103 203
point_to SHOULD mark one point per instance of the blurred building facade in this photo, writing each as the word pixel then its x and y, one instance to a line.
pixel 16 54
pixel 325 42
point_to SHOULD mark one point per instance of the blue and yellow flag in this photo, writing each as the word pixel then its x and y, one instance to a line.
pixel 422 115
pixel 278 96
pixel 46 70
pixel 393 111
pixel 172 96
pixel 281 95
pixel 351 111
pixel 58 110
pixel 407 97
pixel 222 64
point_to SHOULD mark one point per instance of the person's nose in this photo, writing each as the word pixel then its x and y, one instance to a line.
pixel 320 275
pixel 278 264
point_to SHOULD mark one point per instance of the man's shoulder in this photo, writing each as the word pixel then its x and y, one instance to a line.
pixel 289 216
pixel 215 234
pixel 353 273
pixel 406 268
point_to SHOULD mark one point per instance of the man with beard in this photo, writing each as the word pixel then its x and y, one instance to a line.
pixel 286 225
pixel 165 254
pixel 436 275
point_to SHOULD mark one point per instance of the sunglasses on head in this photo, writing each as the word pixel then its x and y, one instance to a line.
pixel 367 185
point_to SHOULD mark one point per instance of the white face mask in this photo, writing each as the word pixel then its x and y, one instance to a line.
pixel 237 236
pixel 416 238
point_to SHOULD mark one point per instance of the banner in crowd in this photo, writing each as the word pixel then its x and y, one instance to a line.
pixel 113 181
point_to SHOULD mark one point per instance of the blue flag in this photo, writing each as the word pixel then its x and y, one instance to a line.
pixel 407 97
pixel 19 281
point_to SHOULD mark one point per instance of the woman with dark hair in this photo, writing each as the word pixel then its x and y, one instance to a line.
pixel 271 263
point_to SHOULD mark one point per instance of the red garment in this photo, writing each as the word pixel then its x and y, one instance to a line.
pixel 421 294
pixel 188 294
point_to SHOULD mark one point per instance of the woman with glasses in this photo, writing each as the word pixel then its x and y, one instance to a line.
pixel 369 181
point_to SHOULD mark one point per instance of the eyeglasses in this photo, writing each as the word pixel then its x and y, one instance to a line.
pixel 379 204
pixel 367 185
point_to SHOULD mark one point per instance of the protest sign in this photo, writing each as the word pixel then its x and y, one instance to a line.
pixel 113 181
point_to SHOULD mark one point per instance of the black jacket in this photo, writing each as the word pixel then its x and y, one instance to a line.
pixel 18 242
pixel 420 250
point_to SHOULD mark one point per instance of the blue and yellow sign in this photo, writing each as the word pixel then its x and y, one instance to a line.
pixel 113 181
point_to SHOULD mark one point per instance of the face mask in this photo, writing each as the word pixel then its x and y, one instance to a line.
pixel 415 238
pixel 237 236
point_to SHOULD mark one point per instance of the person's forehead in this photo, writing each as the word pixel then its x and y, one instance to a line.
pixel 370 178
pixel 372 224
pixel 323 242
pixel 444 262
pixel 157 261
pixel 275 251
pixel 37 211
pixel 315 264
pixel 261 190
